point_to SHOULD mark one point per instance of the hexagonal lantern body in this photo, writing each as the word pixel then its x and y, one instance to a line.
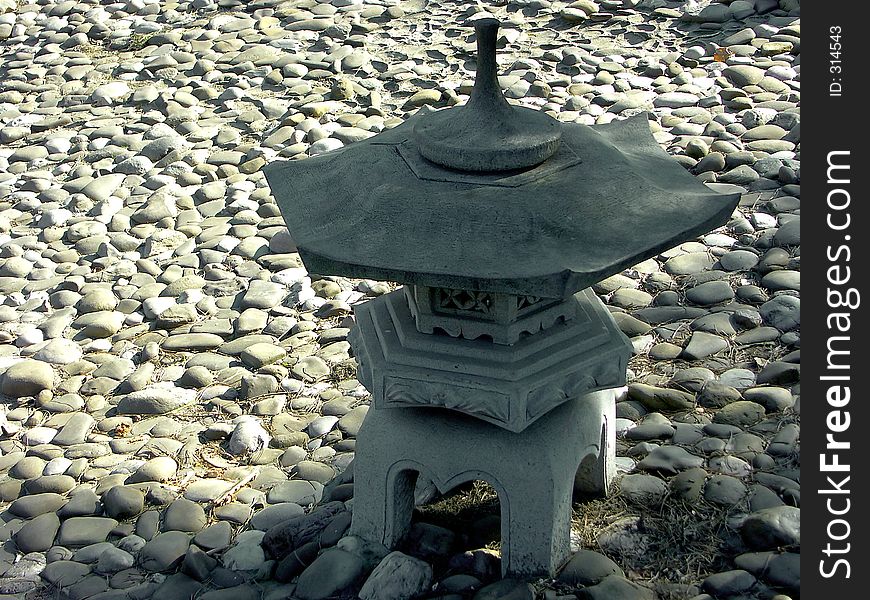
pixel 510 385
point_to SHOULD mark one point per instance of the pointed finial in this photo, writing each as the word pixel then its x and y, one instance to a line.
pixel 487 134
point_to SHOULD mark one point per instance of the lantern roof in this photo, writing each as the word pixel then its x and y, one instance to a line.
pixel 493 197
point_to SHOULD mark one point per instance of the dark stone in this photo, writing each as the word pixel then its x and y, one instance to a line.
pixel 335 530
pixel 84 531
pixel 288 535
pixel 657 398
pixel 225 578
pixel 669 460
pixel 728 583
pixel 311 470
pixel 772 528
pixel 197 564
pixel 761 497
pixel 616 588
pixel 37 535
pixel 184 515
pixel 719 323
pixel 709 293
pixel 640 488
pixel 716 395
pixel 774 399
pixel 341 492
pixel 657 315
pixel 779 569
pixel 164 552
pixel 742 413
pixel 239 592
pixel 37 504
pixel 83 503
pixel 122 502
pixel 780 373
pixel 650 431
pixel 295 562
pixel 330 573
pixel 759 335
pixel 724 490
pixel 688 484
pixel 214 536
pixel 703 344
pixel 63 573
pixel 588 568
pixel 692 378
pixel 506 589
pixel 429 542
pixel 177 587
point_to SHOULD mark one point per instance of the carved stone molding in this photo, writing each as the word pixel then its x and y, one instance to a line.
pixel 511 386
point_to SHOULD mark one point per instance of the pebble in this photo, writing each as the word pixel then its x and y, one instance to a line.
pixel 397 576
pixel 163 552
pixel 658 398
pixel 113 560
pixel 778 568
pixel 27 378
pixel 122 502
pixel 155 401
pixel 742 413
pixel 332 571
pixel 617 588
pixel 703 344
pixel 247 437
pixel 772 398
pixel 159 468
pixel 82 531
pixel 771 528
pixel 669 460
pixel 782 312
pixel 37 535
pixel 643 489
pixel 710 293
pixel 59 351
pixel 588 568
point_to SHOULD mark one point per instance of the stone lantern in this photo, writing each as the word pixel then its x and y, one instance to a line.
pixel 495 361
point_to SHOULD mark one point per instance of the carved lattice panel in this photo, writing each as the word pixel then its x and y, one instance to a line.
pixel 452 301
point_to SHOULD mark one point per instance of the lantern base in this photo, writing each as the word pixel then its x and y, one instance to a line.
pixel 534 472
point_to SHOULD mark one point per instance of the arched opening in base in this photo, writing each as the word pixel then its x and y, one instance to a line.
pixel 460 531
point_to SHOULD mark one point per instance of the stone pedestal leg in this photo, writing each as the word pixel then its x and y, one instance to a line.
pixel 383 492
pixel 598 465
pixel 536 534
pixel 533 472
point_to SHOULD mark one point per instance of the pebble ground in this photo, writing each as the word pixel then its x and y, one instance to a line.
pixel 178 407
